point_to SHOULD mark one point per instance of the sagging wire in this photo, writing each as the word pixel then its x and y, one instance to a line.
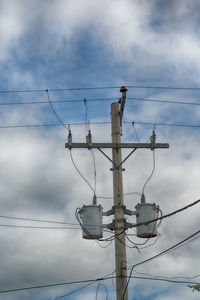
pixel 148 179
pixel 79 172
pixel 77 290
pixel 145 242
pixel 164 277
pixel 87 129
pixel 172 248
pixel 103 285
pixel 134 128
pixel 55 113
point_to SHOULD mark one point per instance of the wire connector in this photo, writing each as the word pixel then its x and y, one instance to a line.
pixel 89 139
pixel 70 140
pixel 153 141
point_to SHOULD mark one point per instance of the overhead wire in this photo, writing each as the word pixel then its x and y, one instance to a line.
pixel 101 88
pixel 174 277
pixel 36 220
pixel 78 289
pixel 80 173
pixel 168 215
pixel 55 284
pixel 89 282
pixel 100 99
pixel 55 113
pixel 96 123
pixel 157 256
pixel 74 291
pixel 36 227
pixel 152 172
pixel 93 157
pixel 101 284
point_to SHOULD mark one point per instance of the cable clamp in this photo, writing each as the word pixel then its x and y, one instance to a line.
pixel 153 141
pixel 89 140
pixel 70 140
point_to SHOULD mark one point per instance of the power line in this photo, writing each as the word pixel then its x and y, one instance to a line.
pixel 157 256
pixel 55 113
pixel 100 88
pixel 56 101
pixel 162 87
pixel 36 227
pixel 163 279
pixel 83 177
pixel 54 285
pixel 168 215
pixel 163 101
pixel 74 291
pixel 37 220
pixel 96 123
pixel 100 99
pixel 152 172
pixel 90 281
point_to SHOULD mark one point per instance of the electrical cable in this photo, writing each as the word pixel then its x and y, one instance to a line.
pixel 168 215
pixel 93 157
pixel 164 277
pixel 157 256
pixel 101 99
pixel 100 88
pixel 166 280
pixel 96 123
pixel 84 281
pixel 164 101
pixel 83 177
pixel 95 171
pixel 133 123
pixel 37 220
pixel 55 284
pixel 101 284
pixel 55 113
pixel 154 165
pixel 77 290
pixel 74 291
pixel 36 227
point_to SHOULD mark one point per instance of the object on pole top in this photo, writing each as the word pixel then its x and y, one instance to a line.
pixel 123 89
pixel 85 101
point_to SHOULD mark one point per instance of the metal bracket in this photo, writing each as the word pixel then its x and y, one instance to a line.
pixel 129 212
pixel 109 212
pixel 112 211
pixel 117 167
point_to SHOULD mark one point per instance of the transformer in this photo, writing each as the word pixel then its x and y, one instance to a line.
pixel 144 213
pixel 92 225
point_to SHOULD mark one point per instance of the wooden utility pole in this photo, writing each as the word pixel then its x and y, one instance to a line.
pixel 119 220
pixel 119 210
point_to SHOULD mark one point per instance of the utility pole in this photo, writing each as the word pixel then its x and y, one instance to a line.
pixel 119 220
pixel 93 212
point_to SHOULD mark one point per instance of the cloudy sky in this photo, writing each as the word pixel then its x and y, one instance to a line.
pixel 64 44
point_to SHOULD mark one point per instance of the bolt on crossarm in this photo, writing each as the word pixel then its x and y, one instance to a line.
pixel 119 220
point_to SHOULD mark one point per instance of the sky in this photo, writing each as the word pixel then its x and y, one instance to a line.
pixel 72 48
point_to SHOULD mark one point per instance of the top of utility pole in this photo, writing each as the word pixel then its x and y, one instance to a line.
pixel 122 101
